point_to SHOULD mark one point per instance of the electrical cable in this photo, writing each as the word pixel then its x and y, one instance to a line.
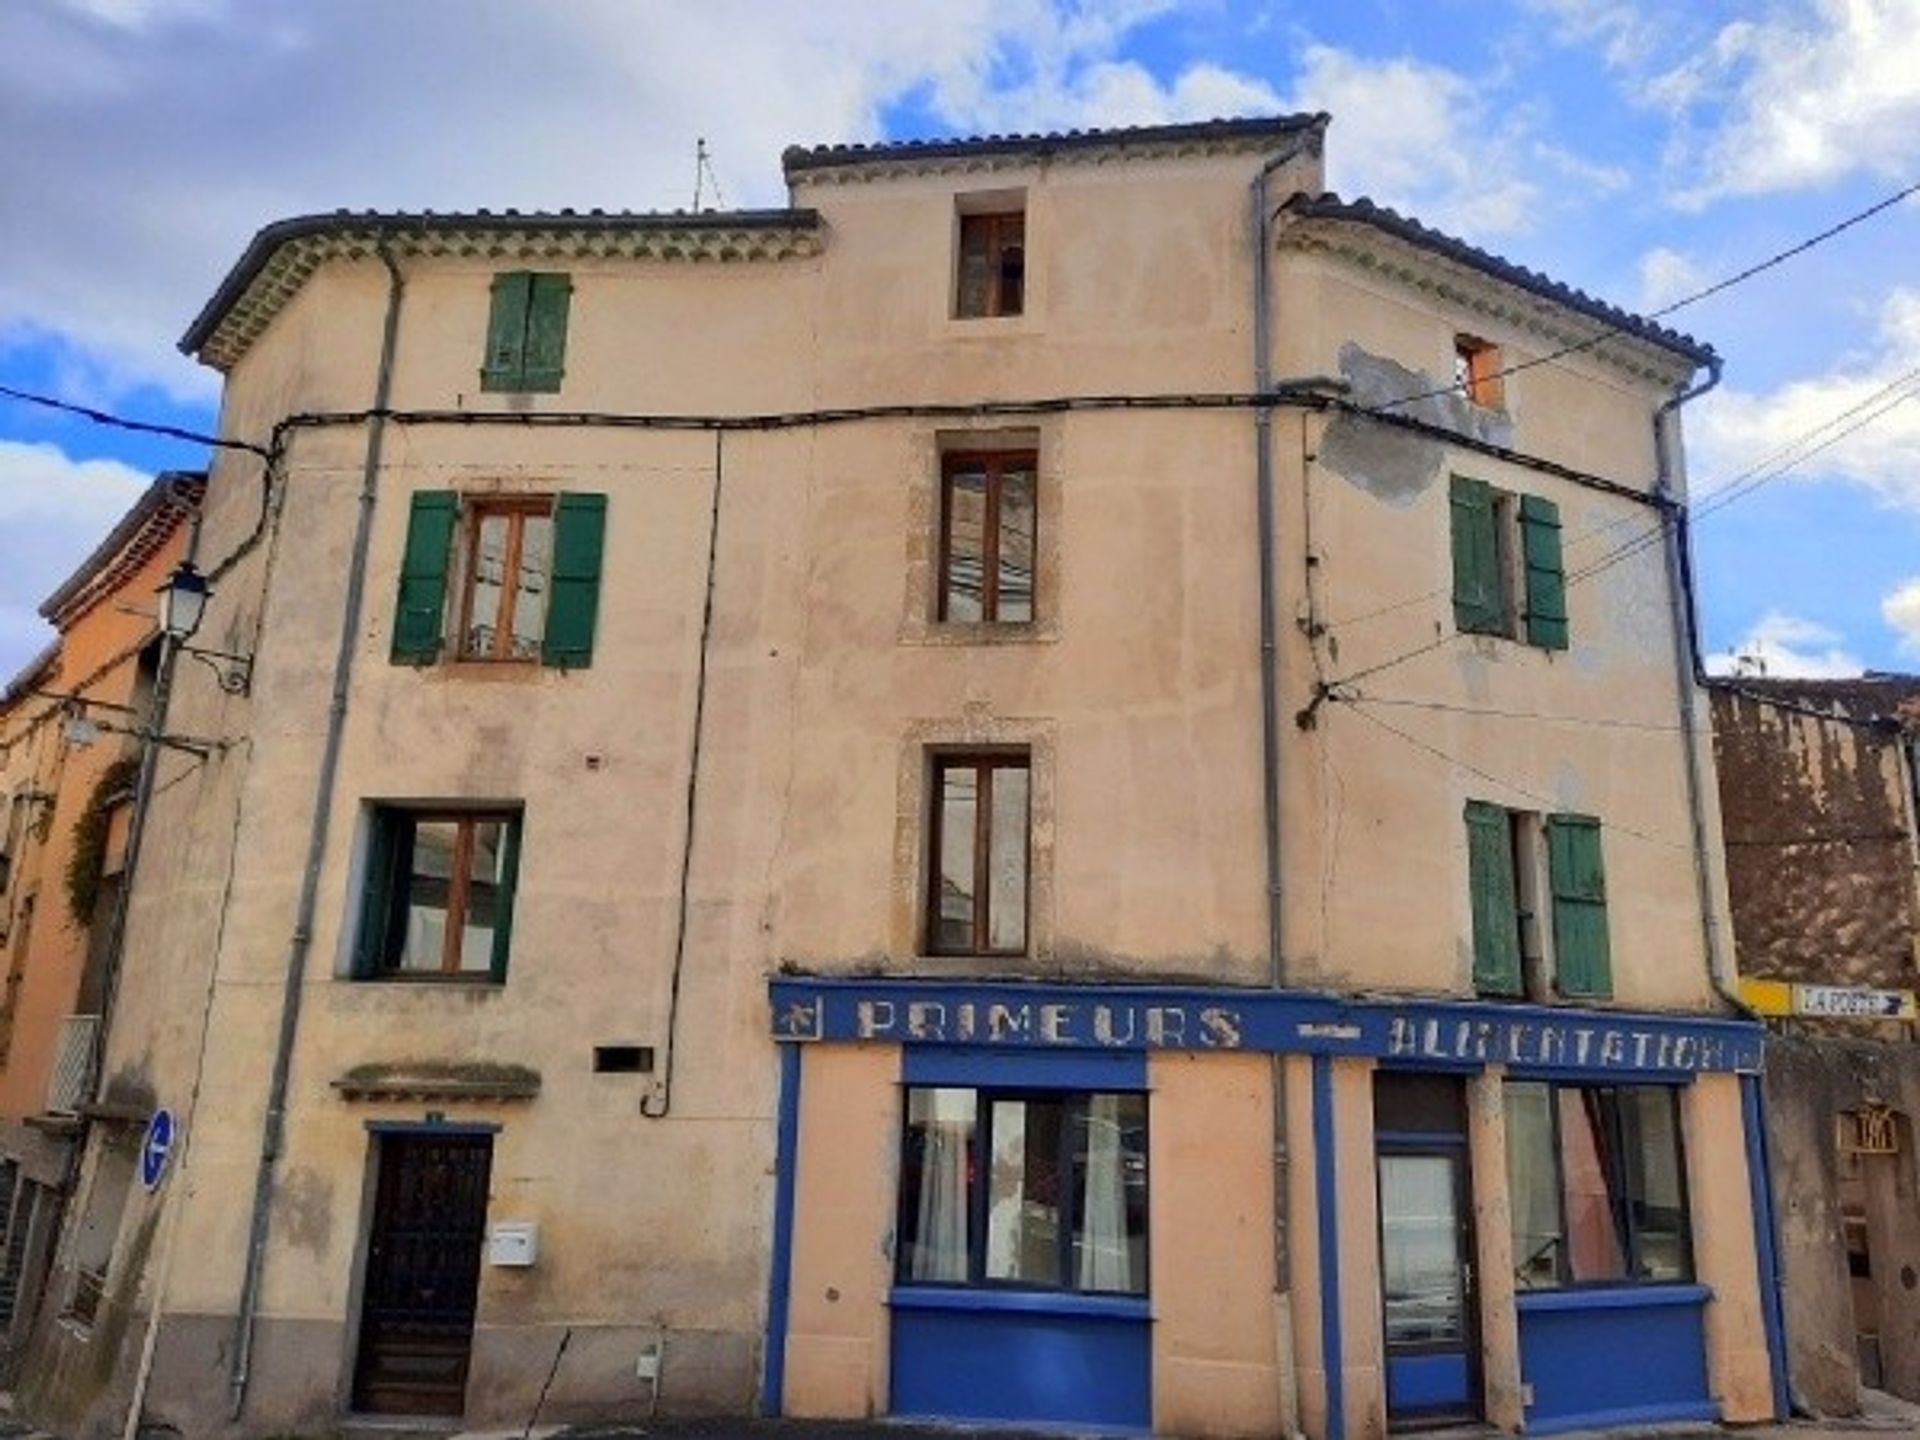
pixel 1546 801
pixel 1759 268
pixel 122 422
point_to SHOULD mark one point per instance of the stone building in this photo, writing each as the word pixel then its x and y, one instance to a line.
pixel 1034 789
pixel 70 761
pixel 1817 790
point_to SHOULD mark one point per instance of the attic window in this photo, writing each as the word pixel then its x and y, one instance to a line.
pixel 991 274
pixel 1476 372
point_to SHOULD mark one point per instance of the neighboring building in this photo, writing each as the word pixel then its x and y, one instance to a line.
pixel 790 914
pixel 1817 789
pixel 69 759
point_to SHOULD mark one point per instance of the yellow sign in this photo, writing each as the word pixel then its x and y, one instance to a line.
pixel 1845 1002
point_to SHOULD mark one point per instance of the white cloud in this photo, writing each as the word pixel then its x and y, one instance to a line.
pixel 1624 34
pixel 156 136
pixel 55 509
pixel 1734 431
pixel 1421 138
pixel 1786 646
pixel 1901 610
pixel 1813 92
pixel 1666 276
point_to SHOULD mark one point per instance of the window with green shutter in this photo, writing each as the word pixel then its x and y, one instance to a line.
pixel 437 899
pixel 421 606
pixel 1479 581
pixel 1495 900
pixel 1546 572
pixel 520 571
pixel 527 332
pixel 1581 963
pixel 579 538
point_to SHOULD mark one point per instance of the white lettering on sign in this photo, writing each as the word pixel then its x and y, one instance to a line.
pixel 1051 1024
pixel 1852 1002
pixel 1545 1045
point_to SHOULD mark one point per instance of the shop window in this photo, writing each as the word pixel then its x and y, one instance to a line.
pixel 527 332
pixel 1595 1185
pixel 1477 372
pixel 1041 1191
pixel 1509 575
pixel 978 854
pixel 987 535
pixel 991 272
pixel 438 901
pixel 1507 852
pixel 522 574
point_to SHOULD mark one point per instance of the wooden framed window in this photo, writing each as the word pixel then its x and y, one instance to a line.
pixel 506 579
pixel 439 893
pixel 988 533
pixel 1476 372
pixel 991 276
pixel 519 574
pixel 978 855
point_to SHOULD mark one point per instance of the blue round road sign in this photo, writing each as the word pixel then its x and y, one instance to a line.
pixel 155 1150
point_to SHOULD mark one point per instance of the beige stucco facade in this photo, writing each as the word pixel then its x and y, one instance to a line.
pixel 767 604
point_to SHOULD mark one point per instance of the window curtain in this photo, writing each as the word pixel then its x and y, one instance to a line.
pixel 1532 1186
pixel 1104 1251
pixel 941 1229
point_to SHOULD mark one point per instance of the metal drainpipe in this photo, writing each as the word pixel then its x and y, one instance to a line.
pixel 274 1123
pixel 1270 760
pixel 1686 672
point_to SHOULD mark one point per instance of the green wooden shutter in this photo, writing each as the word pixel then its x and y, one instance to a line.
pixel 579 535
pixel 1479 598
pixel 544 358
pixel 423 577
pixel 503 902
pixel 506 360
pixel 1496 909
pixel 376 895
pixel 1546 572
pixel 1581 963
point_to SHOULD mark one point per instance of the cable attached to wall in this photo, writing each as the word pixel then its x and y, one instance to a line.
pixel 657 1104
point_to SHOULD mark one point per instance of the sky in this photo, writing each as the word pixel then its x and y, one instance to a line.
pixel 1638 149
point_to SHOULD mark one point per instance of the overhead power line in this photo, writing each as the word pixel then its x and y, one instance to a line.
pixel 1719 286
pixel 122 422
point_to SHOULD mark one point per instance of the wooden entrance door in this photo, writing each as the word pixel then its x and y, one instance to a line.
pixel 422 1274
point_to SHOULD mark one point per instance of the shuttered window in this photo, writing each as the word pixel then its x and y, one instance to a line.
pixel 1546 572
pixel 1495 902
pixel 1581 962
pixel 1490 587
pixel 437 903
pixel 423 578
pixel 1479 586
pixel 579 537
pixel 527 332
pixel 529 578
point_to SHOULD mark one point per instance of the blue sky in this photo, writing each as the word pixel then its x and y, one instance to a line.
pixel 1637 150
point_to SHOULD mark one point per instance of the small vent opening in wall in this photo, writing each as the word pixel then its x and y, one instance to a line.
pixel 623 1059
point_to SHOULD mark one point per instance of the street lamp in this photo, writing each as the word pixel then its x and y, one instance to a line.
pixel 183 603
pixel 183 600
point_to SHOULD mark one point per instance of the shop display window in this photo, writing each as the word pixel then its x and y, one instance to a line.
pixel 1038 1190
pixel 1596 1185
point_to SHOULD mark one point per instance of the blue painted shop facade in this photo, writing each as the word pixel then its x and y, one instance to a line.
pixel 1033 1243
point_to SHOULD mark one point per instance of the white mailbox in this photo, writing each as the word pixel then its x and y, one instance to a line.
pixel 514 1243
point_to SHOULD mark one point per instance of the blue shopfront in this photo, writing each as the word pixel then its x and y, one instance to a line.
pixel 1030 1204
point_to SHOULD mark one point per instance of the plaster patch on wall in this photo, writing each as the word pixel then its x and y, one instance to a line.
pixel 1391 464
pixel 1570 791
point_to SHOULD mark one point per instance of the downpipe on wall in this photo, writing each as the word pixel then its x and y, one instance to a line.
pixel 299 942
pixel 1260 215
